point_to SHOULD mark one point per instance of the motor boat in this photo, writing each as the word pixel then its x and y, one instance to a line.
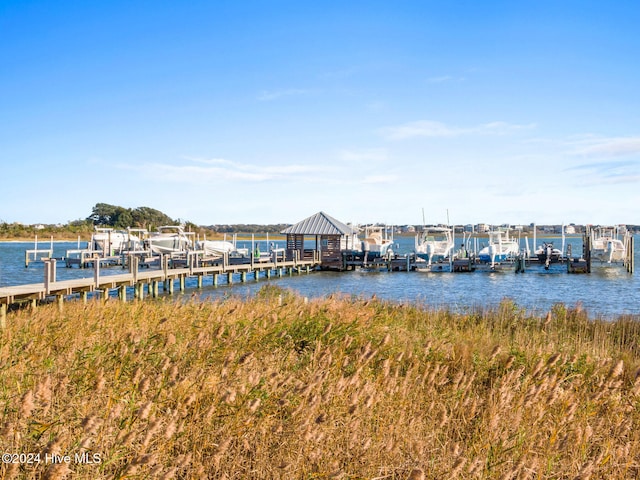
pixel 547 254
pixel 606 245
pixel 434 244
pixel 501 248
pixel 170 239
pixel 110 242
pixel 376 243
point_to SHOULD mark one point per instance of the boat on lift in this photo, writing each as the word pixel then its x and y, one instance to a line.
pixel 434 244
pixel 607 245
pixel 377 243
pixel 501 248
pixel 110 242
pixel 548 254
pixel 170 239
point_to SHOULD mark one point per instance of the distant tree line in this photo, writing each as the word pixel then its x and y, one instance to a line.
pixel 105 215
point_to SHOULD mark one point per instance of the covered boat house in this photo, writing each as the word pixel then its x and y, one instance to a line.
pixel 331 238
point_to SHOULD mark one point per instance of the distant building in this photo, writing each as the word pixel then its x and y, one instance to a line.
pixel 570 229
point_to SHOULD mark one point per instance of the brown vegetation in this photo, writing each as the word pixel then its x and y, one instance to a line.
pixel 278 387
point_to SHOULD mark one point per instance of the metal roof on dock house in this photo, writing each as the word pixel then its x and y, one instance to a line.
pixel 319 224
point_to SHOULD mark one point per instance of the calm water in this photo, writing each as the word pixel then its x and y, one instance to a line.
pixel 606 292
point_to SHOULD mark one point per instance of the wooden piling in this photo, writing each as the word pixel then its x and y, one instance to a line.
pixel 3 316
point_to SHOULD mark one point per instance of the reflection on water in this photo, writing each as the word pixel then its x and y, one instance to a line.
pixel 605 292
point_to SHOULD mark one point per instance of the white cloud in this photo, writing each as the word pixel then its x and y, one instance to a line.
pixel 267 96
pixel 218 169
pixel 428 128
pixel 376 179
pixel 364 156
pixel 607 147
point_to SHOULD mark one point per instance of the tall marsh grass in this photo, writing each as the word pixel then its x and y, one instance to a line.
pixel 280 388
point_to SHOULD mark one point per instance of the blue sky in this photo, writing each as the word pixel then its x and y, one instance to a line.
pixel 269 111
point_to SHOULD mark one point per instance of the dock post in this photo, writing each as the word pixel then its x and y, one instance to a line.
pixel 199 281
pixel 257 275
pixel 243 277
pixel 155 288
pixel 59 301
pixel 96 272
pixel 84 296
pixel 47 277
pixel 215 279
pixel 182 277
pixel 280 272
pixel 3 316
pixel 122 293
pixel 54 272
pixel 140 289
pixel 268 273
pixel 230 278
pixel 133 267
pixel 34 304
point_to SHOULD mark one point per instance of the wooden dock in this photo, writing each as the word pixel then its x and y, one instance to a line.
pixel 150 279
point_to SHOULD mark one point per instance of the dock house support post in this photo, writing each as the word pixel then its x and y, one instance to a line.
pixel 230 278
pixel 199 281
pixel 84 296
pixel 182 278
pixel 3 316
pixel 59 302
pixel 215 279
pixel 140 289
pixel 268 273
pixel 122 293
pixel 155 288
pixel 243 277
pixel 257 274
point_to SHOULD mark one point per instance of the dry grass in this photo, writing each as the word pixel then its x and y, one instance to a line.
pixel 336 388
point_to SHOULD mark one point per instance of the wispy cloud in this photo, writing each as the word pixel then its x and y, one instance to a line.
pixel 444 79
pixel 270 95
pixel 607 173
pixel 364 156
pixel 428 128
pixel 607 146
pixel 377 179
pixel 203 170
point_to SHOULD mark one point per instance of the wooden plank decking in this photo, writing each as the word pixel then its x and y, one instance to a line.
pixel 137 277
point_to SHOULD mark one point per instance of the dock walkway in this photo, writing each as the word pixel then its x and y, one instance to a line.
pixel 150 278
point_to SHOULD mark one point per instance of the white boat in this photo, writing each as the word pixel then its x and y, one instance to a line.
pixel 216 248
pixel 434 244
pixel 110 242
pixel 170 239
pixel 606 244
pixel 500 248
pixel 377 243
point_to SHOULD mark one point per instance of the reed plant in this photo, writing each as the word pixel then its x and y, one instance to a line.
pixel 278 387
